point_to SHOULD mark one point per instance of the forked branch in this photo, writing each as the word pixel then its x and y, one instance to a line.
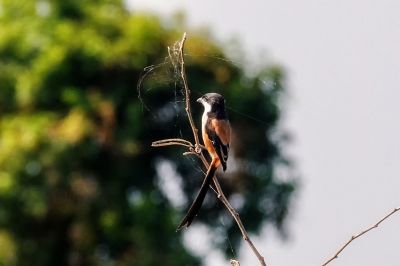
pixel 177 59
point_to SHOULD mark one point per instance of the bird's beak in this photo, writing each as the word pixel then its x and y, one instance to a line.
pixel 199 100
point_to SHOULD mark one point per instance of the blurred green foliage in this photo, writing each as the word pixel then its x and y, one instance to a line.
pixel 78 180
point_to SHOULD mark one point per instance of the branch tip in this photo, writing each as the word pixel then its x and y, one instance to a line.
pixel 354 237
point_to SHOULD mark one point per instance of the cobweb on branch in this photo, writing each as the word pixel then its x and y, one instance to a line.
pixel 167 74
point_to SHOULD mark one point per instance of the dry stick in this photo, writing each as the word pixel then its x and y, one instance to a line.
pixel 221 196
pixel 358 235
pixel 187 93
pixel 162 143
pixel 236 216
pixel 196 150
pixel 175 140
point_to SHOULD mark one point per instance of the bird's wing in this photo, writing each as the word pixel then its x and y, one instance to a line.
pixel 219 133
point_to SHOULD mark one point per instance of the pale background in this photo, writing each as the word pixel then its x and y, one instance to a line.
pixel 343 64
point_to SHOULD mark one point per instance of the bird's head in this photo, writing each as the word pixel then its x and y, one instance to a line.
pixel 212 101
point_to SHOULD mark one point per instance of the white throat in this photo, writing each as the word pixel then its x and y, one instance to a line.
pixel 207 108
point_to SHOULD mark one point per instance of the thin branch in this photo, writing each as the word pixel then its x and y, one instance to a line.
pixel 236 216
pixel 187 93
pixel 221 196
pixel 182 142
pixel 196 148
pixel 190 153
pixel 169 142
pixel 359 235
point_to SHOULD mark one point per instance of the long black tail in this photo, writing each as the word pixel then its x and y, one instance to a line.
pixel 196 205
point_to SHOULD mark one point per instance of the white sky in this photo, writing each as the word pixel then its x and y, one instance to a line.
pixel 343 62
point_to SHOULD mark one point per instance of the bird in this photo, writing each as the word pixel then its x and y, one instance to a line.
pixel 216 134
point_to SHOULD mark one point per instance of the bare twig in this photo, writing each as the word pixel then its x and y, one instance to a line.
pixel 169 142
pixel 181 142
pixel 236 216
pixel 187 93
pixel 221 196
pixel 354 237
pixel 195 149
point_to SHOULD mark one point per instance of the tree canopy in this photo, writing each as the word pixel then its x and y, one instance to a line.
pixel 78 178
